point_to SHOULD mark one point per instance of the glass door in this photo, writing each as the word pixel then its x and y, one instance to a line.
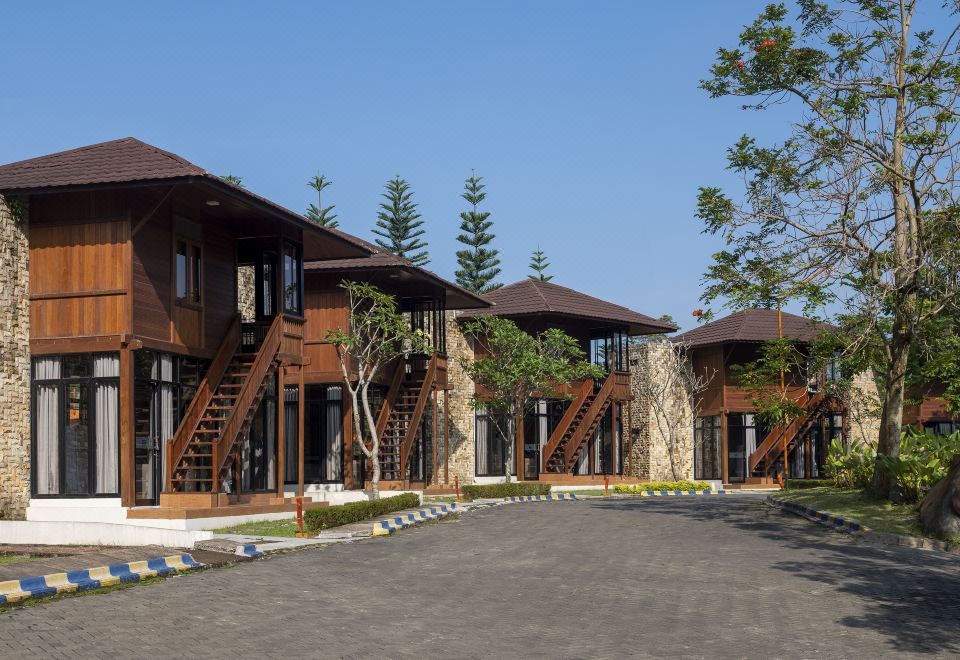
pixel 147 453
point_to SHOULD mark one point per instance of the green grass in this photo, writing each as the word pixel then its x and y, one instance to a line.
pixel 30 602
pixel 262 528
pixel 439 499
pixel 14 557
pixel 578 493
pixel 877 515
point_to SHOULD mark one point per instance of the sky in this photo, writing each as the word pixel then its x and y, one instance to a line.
pixel 584 118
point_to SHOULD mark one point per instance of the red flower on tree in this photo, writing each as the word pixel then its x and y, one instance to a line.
pixel 698 312
pixel 740 65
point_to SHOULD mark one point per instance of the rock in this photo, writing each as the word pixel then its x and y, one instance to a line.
pixel 940 510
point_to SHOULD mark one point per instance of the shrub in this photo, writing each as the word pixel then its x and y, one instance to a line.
pixel 923 461
pixel 317 520
pixel 661 485
pixel 809 483
pixel 476 491
pixel 849 467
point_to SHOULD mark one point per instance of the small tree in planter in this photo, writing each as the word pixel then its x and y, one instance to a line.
pixel 516 366
pixel 378 333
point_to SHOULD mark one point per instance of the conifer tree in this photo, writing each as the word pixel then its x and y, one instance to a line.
pixel 539 265
pixel 398 223
pixel 316 212
pixel 479 265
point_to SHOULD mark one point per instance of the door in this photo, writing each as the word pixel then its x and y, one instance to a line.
pixel 147 448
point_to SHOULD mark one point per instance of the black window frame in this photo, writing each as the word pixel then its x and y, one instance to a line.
pixel 492 431
pixel 715 429
pixel 297 252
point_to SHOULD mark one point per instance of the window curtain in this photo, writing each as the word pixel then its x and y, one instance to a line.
pixel 270 443
pixel 47 407
pixel 543 423
pixel 482 443
pixel 107 415
pixel 291 430
pixel 334 435
pixel 168 415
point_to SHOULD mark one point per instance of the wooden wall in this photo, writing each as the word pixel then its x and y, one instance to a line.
pixel 708 361
pixel 324 310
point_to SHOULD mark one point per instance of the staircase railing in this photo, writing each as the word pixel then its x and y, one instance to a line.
pixel 177 445
pixel 391 399
pixel 774 440
pixel 580 396
pixel 414 426
pixel 246 397
pixel 579 434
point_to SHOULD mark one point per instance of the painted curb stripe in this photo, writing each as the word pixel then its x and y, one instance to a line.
pixel 385 527
pixel 13 591
pixel 248 550
pixel 678 493
pixel 839 523
pixel 541 498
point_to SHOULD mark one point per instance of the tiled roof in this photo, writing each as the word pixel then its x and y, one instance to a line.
pixel 532 297
pixel 752 325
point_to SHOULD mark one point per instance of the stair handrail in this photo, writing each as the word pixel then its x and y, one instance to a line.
pixel 579 435
pixel 580 396
pixel 177 445
pixel 391 399
pixel 246 396
pixel 774 439
pixel 413 427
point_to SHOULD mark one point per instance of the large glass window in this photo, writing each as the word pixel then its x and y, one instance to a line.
pixel 706 448
pixel 610 349
pixel 323 441
pixel 258 453
pixel 189 267
pixel 606 442
pixel 427 318
pixel 292 272
pixel 941 428
pixel 743 436
pixel 493 449
pixel 538 425
pixel 76 419
pixel 291 434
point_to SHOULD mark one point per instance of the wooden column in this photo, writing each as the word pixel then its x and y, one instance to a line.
pixel 128 468
pixel 724 454
pixel 446 440
pixel 281 439
pixel 436 416
pixel 518 448
pixel 302 395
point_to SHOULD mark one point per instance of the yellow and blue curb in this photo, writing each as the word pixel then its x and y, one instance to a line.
pixel 541 498
pixel 676 493
pixel 391 525
pixel 831 520
pixel 39 586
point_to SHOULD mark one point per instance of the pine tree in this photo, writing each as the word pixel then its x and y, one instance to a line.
pixel 539 266
pixel 398 224
pixel 234 179
pixel 479 264
pixel 322 216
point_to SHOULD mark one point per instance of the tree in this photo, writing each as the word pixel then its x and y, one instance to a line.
pixel 479 265
pixel 234 179
pixel 515 366
pixel 398 224
pixel 857 207
pixel 539 266
pixel 378 333
pixel 674 392
pixel 322 216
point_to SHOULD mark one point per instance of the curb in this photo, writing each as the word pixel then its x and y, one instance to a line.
pixel 13 591
pixel 541 498
pixel 676 493
pixel 391 525
pixel 248 550
pixel 839 523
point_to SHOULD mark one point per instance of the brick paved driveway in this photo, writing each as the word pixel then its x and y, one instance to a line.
pixel 696 577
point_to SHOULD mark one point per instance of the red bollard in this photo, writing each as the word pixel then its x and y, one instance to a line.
pixel 606 485
pixel 456 482
pixel 300 533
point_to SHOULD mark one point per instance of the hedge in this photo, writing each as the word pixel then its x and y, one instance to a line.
pixel 809 483
pixel 326 517
pixel 476 491
pixel 661 485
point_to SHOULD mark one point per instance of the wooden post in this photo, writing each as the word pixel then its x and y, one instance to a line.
pixel 281 439
pixel 446 440
pixel 518 449
pixel 436 415
pixel 724 448
pixel 300 433
pixel 128 467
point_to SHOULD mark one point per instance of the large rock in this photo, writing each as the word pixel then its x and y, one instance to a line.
pixel 940 510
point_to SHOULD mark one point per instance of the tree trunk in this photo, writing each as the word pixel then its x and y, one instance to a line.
pixel 940 510
pixel 892 416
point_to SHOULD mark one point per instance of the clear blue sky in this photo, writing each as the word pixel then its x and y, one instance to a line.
pixel 584 117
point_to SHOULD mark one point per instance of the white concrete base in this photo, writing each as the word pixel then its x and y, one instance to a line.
pixel 95 533
pixel 81 509
pixel 335 494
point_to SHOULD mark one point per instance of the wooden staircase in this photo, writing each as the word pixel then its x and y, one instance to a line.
pixel 202 451
pixel 400 420
pixel 762 462
pixel 578 424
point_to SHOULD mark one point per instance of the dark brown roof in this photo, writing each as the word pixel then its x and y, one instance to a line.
pixel 534 297
pixel 457 296
pixel 752 325
pixel 130 161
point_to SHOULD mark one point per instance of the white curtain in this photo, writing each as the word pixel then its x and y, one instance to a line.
pixel 168 414
pixel 543 423
pixel 334 434
pixel 270 443
pixel 482 439
pixel 107 407
pixel 47 410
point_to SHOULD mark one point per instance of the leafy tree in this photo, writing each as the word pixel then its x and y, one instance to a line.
pixel 514 366
pixel 399 225
pixel 317 212
pixel 378 333
pixel 234 179
pixel 857 207
pixel 539 266
pixel 479 265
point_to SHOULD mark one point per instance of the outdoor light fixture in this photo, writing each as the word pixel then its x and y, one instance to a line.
pixel 212 202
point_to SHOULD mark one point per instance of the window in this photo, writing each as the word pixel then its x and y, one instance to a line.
pixel 606 442
pixel 611 350
pixel 75 407
pixel 743 436
pixel 493 450
pixel 941 428
pixel 832 371
pixel 292 272
pixel 189 264
pixel 291 434
pixel 323 440
pixel 706 448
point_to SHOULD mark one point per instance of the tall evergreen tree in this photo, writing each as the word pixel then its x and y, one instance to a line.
pixel 479 265
pixel 539 266
pixel 398 223
pixel 316 212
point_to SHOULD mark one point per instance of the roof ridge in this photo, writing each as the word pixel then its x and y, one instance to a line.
pixel 536 288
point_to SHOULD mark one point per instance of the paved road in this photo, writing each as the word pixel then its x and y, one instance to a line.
pixel 693 577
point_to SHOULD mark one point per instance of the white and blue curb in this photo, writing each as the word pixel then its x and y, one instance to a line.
pixel 39 586
pixel 391 525
pixel 831 520
pixel 249 550
pixel 541 498
pixel 677 493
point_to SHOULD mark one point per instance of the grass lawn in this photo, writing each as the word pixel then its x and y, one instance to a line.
pixel 286 527
pixel 878 515
pixel 578 493
pixel 439 499
pixel 14 557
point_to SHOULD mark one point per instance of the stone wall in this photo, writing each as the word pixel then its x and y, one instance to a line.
pixel 863 416
pixel 647 455
pixel 14 361
pixel 460 403
pixel 247 293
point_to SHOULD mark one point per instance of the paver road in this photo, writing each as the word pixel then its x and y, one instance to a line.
pixel 693 577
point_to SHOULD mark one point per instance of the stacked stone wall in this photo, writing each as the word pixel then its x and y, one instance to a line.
pixel 14 361
pixel 460 404
pixel 863 410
